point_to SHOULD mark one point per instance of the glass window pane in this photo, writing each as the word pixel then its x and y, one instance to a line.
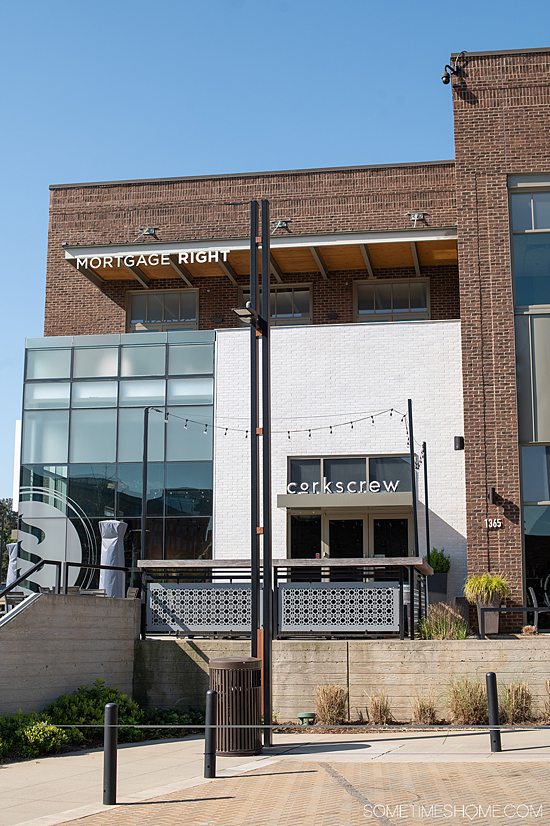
pixel 130 435
pixel 305 542
pixel 45 437
pixel 45 483
pixel 401 297
pixel 301 302
pixel 94 393
pixel 365 298
pixel 93 486
pixel 531 256
pixel 93 436
pixel 305 472
pixel 47 395
pixel 155 307
pixel 48 364
pixel 191 391
pixel 142 393
pixel 535 473
pixel 392 472
pixel 171 307
pixel 536 520
pixel 188 488
pixel 188 306
pixel 188 538
pixel 523 373
pixel 382 297
pixel 129 487
pixel 189 443
pixel 419 300
pixel 283 307
pixel 138 308
pixel 190 359
pixel 540 354
pixel 542 210
pixel 92 363
pixel 143 361
pixel 521 212
pixel 391 537
pixel 344 471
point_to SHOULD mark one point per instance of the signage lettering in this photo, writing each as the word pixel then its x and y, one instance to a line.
pixel 151 259
pixel 327 486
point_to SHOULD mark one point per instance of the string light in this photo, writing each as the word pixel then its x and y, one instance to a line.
pixel 206 428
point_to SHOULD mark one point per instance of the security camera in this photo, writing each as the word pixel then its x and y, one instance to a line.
pixel 445 77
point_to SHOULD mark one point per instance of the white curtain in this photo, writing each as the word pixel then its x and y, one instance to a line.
pixel 112 553
pixel 12 563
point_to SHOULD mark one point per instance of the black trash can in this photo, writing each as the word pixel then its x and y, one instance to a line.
pixel 237 681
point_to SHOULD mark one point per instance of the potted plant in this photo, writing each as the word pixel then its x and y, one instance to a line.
pixel 487 591
pixel 437 583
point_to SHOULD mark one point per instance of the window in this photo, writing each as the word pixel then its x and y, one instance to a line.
pixel 535 473
pixel 530 221
pixel 288 304
pixel 163 310
pixel 347 474
pixel 391 300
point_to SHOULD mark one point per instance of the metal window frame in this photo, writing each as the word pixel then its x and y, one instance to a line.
pixel 401 315
pixel 300 321
pixel 161 326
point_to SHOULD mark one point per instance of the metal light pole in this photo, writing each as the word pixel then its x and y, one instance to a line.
pixel 254 437
pixel 426 508
pixel 266 474
pixel 144 481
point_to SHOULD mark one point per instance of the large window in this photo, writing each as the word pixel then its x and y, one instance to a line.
pixel 391 300
pixel 530 221
pixel 163 310
pixel 345 474
pixel 288 304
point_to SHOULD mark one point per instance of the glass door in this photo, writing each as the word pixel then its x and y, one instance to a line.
pixel 345 538
pixel 390 535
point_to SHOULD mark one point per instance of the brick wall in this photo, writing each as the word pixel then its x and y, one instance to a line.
pixel 317 201
pixel 502 127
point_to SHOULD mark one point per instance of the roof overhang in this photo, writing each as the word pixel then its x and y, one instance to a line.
pixel 146 263
pixel 344 500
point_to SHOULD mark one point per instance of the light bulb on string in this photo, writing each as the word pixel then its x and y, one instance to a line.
pixel 288 434
pixel 225 434
pixel 331 430
pixel 309 434
pixel 206 428
pixel 185 425
pixel 351 423
pixel 246 434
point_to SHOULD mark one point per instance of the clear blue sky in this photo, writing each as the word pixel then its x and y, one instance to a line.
pixel 132 89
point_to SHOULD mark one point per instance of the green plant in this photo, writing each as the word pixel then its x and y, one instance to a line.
pixel 468 702
pixel 516 704
pixel 483 589
pixel 439 561
pixel 424 710
pixel 85 707
pixel 443 622
pixel 170 717
pixel 39 738
pixel 331 704
pixel 379 709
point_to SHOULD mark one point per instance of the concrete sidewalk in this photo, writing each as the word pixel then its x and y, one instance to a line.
pixel 59 789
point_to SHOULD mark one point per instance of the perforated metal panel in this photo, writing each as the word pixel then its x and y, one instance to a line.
pixel 318 606
pixel 201 607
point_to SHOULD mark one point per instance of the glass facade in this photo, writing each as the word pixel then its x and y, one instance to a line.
pixel 82 444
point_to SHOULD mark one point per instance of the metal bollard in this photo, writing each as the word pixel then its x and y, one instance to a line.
pixel 110 740
pixel 211 719
pixel 492 707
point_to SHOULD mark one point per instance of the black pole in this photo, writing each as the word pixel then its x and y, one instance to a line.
pixel 492 708
pixel 426 508
pixel 210 722
pixel 110 738
pixel 413 478
pixel 254 437
pixel 144 470
pixel 266 473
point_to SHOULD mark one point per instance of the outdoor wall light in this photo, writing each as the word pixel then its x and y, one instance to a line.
pixel 459 442
pixel 245 314
pixel 453 68
pixel 147 232
pixel 282 223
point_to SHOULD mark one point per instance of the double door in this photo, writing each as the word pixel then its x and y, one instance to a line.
pixel 349 535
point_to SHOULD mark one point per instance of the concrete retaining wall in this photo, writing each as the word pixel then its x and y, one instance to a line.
pixel 61 642
pixel 174 672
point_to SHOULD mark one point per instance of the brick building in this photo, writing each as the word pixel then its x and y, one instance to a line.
pixel 450 259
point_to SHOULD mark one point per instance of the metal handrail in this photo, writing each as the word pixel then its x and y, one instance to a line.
pixel 40 564
pixel 92 567
pixel 512 609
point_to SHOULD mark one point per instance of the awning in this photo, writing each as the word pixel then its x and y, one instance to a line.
pixel 145 264
pixel 344 500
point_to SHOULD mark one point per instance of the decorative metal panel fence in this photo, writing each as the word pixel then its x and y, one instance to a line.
pixel 198 608
pixel 339 607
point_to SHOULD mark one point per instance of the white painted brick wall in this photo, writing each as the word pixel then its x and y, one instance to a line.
pixel 329 374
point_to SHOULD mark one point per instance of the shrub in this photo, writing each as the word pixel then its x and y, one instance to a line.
pixel 170 717
pixel 439 561
pixel 529 630
pixel 485 588
pixel 516 704
pixel 379 709
pixel 468 702
pixel 39 738
pixel 86 707
pixel 443 622
pixel 424 710
pixel 331 704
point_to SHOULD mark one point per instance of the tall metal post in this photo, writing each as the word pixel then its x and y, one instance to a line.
pixel 110 740
pixel 413 478
pixel 144 469
pixel 254 439
pixel 266 474
pixel 492 708
pixel 426 508
pixel 210 722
